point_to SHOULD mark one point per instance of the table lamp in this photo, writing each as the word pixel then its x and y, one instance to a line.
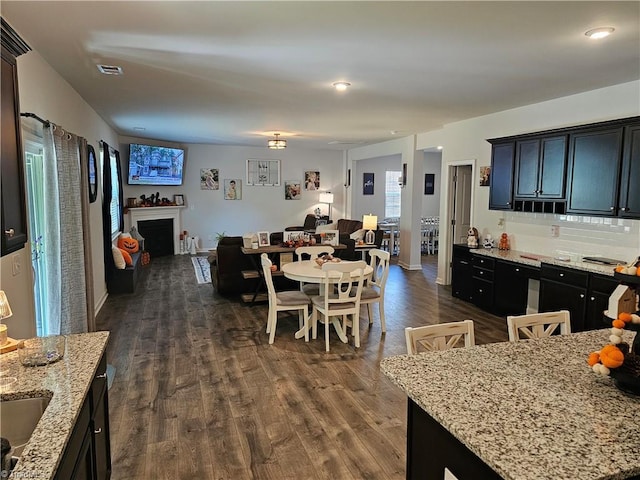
pixel 5 312
pixel 370 223
pixel 326 197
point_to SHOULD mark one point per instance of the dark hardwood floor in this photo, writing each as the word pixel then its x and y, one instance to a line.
pixel 200 394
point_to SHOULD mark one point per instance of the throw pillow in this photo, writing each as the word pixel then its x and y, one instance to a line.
pixel 358 234
pixel 118 259
pixel 322 228
pixel 127 243
pixel 127 257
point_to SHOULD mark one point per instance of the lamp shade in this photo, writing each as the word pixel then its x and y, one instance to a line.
pixel 326 197
pixel 370 222
pixel 5 309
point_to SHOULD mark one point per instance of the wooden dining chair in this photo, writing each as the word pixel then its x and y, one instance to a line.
pixel 538 325
pixel 343 283
pixel 373 292
pixel 284 301
pixel 313 252
pixel 441 336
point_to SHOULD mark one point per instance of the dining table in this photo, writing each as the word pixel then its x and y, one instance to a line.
pixel 309 271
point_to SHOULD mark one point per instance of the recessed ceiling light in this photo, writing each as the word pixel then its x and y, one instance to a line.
pixel 110 69
pixel 341 86
pixel 601 32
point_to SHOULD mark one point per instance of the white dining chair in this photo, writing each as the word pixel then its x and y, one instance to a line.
pixel 313 251
pixel 343 282
pixel 284 301
pixel 441 336
pixel 373 292
pixel 538 325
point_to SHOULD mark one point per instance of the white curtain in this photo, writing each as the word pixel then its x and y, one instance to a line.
pixel 67 308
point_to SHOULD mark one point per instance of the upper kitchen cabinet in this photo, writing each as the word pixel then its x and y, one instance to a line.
pixel 14 218
pixel 501 188
pixel 630 178
pixel 540 166
pixel 594 169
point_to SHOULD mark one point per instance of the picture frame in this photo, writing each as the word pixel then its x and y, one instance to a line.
pixel 429 183
pixel 292 190
pixel 232 189
pixel 330 237
pixel 264 173
pixel 178 200
pixel 485 176
pixel 368 183
pixel 293 235
pixel 209 179
pixel 263 239
pixel 311 180
pixel 93 177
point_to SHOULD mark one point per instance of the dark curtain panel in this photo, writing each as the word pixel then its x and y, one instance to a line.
pixel 120 195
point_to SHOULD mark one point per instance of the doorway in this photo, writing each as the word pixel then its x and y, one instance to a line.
pixel 460 188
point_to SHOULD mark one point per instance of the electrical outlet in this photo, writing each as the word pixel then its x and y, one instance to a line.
pixel 16 266
pixel 555 230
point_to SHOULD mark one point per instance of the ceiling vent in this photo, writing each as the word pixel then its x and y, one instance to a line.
pixel 110 70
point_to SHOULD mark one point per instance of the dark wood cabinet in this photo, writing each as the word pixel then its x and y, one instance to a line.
pixel 629 204
pixel 88 452
pixel 501 188
pixel 483 272
pixel 564 289
pixel 600 289
pixel 511 287
pixel 540 166
pixel 14 218
pixel 461 273
pixel 593 171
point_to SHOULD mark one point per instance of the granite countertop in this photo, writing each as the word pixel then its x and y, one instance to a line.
pixel 66 382
pixel 520 257
pixel 531 409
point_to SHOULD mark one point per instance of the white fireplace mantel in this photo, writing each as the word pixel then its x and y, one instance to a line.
pixel 140 214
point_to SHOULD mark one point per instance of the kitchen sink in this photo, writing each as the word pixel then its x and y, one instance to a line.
pixel 18 420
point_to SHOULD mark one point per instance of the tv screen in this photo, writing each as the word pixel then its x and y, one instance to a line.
pixel 154 165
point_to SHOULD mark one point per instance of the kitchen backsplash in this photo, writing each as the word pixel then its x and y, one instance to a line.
pixel 578 236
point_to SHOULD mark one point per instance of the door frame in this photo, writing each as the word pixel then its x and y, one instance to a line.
pixel 446 242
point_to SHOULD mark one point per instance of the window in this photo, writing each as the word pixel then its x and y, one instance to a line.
pixel 392 193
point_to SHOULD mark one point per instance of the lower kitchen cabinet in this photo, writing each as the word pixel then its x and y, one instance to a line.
pixel 483 271
pixel 564 289
pixel 462 273
pixel 600 289
pixel 511 287
pixel 88 452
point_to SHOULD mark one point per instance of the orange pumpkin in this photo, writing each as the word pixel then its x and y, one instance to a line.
pixel 618 324
pixel 128 244
pixel 611 356
pixel 594 358
pixel 625 317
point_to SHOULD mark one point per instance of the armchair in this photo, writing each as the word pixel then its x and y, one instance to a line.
pixel 310 222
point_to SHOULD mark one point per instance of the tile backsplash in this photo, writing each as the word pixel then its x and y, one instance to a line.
pixel 578 236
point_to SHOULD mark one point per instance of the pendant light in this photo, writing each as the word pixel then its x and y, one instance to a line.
pixel 277 143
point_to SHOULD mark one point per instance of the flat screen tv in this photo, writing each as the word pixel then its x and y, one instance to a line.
pixel 155 165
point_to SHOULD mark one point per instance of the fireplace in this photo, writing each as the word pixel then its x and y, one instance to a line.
pixel 158 236
pixel 140 215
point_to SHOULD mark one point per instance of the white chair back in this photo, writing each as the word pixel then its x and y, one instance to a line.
pixel 443 336
pixel 268 279
pixel 314 251
pixel 379 261
pixel 538 325
pixel 341 285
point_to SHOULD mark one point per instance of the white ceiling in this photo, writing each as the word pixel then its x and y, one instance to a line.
pixel 231 72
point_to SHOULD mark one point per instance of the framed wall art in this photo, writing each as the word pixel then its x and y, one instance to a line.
pixel 429 183
pixel 292 190
pixel 311 180
pixel 209 179
pixel 367 183
pixel 264 173
pixel 263 239
pixel 233 189
pixel 485 176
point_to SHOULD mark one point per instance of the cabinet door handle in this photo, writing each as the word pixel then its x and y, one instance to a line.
pixel 99 430
pixel 481 272
pixel 479 290
pixel 11 232
pixel 102 375
pixel 582 295
pixel 517 269
pixel 612 208
pixel 593 298
pixel 562 274
pixel 624 209
pixel 463 262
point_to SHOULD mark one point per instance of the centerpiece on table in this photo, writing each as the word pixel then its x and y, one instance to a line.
pixel 617 359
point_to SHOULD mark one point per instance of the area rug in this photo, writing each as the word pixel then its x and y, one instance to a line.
pixel 201 266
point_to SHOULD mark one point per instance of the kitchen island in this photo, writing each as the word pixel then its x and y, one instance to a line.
pixel 526 410
pixel 77 411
